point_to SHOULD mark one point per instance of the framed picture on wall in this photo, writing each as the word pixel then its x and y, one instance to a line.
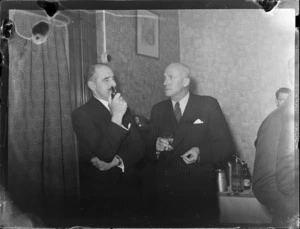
pixel 147 33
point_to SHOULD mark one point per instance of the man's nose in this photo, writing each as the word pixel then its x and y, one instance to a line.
pixel 165 82
pixel 113 83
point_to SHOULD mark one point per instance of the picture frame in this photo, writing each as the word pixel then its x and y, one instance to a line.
pixel 147 33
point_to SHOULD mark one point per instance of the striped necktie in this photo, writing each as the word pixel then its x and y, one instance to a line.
pixel 177 112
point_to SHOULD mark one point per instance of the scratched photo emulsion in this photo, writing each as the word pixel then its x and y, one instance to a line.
pixel 120 114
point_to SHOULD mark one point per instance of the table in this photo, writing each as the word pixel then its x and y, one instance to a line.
pixel 242 209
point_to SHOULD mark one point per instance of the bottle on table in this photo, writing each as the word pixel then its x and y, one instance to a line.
pixel 237 184
pixel 229 175
pixel 246 177
pixel 221 179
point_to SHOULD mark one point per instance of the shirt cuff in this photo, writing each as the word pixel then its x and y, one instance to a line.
pixel 120 163
pixel 157 153
pixel 129 125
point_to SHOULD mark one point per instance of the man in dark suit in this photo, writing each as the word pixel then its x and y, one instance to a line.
pixel 109 145
pixel 186 181
pixel 276 166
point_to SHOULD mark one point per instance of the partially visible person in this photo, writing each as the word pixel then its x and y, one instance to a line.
pixel 281 95
pixel 109 147
pixel 12 216
pixel 275 167
pixel 186 182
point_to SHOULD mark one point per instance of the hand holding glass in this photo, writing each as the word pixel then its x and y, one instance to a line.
pixel 170 139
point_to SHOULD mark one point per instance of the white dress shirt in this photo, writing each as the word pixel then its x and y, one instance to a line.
pixel 182 103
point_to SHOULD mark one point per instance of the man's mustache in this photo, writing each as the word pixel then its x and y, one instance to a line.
pixel 113 91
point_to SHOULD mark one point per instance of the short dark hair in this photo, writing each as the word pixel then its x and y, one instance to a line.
pixel 284 90
pixel 89 76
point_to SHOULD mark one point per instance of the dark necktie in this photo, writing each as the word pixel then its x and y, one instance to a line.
pixel 177 112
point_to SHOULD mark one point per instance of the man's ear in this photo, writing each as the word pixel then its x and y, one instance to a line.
pixel 186 82
pixel 91 85
pixel 276 102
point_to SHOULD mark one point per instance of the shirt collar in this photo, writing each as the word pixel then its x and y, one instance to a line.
pixel 104 102
pixel 182 102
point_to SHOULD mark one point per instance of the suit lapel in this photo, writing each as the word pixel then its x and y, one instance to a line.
pixel 98 111
pixel 169 122
pixel 170 112
pixel 127 118
pixel 185 122
pixel 189 112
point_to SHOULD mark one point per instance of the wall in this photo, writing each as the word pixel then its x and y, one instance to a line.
pixel 241 58
pixel 140 77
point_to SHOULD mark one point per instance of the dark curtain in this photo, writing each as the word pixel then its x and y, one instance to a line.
pixel 42 158
pixel 83 52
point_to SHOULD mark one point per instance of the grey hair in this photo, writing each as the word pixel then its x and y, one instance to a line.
pixel 90 74
pixel 183 67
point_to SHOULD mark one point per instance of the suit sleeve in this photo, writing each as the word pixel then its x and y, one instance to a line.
pixel 151 142
pixel 286 166
pixel 220 144
pixel 132 148
pixel 102 143
pixel 265 187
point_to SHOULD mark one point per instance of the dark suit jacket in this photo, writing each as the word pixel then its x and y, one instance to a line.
pixel 99 137
pixel 274 167
pixel 212 137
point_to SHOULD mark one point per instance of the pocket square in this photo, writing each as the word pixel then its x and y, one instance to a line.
pixel 198 121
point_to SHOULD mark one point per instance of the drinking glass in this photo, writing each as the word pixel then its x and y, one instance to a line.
pixel 169 137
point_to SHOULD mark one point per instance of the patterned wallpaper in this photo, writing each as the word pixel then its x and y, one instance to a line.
pixel 140 77
pixel 241 58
